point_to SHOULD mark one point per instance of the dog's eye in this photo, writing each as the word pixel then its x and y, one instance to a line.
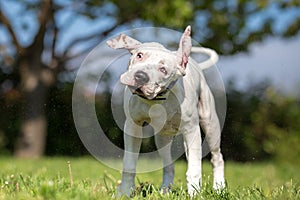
pixel 139 56
pixel 163 70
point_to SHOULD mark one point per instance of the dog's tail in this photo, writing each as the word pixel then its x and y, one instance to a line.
pixel 213 56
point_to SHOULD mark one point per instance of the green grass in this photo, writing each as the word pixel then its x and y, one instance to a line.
pixel 48 178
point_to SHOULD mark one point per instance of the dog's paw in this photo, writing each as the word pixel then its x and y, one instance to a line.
pixel 165 189
pixel 124 191
pixel 219 185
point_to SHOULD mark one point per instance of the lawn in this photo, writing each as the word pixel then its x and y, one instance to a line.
pixel 49 178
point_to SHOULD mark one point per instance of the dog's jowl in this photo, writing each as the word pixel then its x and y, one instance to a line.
pixel 158 77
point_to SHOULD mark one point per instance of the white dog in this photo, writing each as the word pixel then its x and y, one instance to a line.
pixel 171 95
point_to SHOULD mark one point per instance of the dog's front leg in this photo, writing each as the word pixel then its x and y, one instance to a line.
pixel 163 144
pixel 132 144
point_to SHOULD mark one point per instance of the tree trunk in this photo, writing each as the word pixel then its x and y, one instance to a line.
pixel 33 130
pixel 31 143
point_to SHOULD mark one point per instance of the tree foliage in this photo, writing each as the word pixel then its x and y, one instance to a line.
pixel 261 124
pixel 227 26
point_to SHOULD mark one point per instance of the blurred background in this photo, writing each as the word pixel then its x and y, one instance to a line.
pixel 43 43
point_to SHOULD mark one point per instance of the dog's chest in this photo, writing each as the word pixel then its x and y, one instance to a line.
pixel 164 120
pixel 172 125
pixel 164 116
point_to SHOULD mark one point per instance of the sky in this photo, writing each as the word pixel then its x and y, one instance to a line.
pixel 275 59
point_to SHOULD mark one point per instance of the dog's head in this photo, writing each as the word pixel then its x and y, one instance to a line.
pixel 153 68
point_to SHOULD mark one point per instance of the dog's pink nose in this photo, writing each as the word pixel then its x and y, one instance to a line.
pixel 141 77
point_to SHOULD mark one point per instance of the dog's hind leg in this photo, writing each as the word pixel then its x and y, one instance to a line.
pixel 163 144
pixel 209 122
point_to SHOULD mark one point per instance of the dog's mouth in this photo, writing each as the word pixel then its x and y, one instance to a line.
pixel 145 91
pixel 158 93
pixel 135 90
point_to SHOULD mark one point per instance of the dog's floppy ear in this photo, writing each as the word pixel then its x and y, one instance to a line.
pixel 184 49
pixel 123 42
